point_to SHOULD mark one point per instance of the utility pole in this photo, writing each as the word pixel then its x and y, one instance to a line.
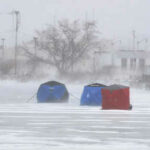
pixel 3 47
pixel 94 62
pixel 35 45
pixel 93 14
pixel 112 52
pixel 17 13
pixel 133 33
pixel 86 17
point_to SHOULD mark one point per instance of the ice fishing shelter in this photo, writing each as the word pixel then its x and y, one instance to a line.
pixel 92 95
pixel 52 92
pixel 116 97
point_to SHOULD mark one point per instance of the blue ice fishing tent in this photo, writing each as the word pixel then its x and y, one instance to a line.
pixel 92 95
pixel 52 92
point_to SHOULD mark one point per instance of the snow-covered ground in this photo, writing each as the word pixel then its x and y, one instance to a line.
pixel 32 126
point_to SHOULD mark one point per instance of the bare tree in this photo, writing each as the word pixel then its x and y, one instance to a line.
pixel 64 44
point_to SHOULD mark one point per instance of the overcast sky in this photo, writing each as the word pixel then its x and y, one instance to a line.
pixel 116 18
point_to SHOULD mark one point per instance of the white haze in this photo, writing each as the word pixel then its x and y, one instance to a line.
pixel 116 18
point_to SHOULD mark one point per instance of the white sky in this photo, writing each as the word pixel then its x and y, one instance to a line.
pixel 116 18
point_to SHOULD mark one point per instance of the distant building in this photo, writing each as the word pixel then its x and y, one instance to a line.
pixel 128 60
pixel 133 59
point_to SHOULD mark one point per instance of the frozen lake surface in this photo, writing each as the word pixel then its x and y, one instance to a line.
pixel 32 126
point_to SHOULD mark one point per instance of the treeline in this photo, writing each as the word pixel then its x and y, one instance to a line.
pixel 64 49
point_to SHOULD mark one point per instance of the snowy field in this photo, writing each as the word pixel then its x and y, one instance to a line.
pixel 32 126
